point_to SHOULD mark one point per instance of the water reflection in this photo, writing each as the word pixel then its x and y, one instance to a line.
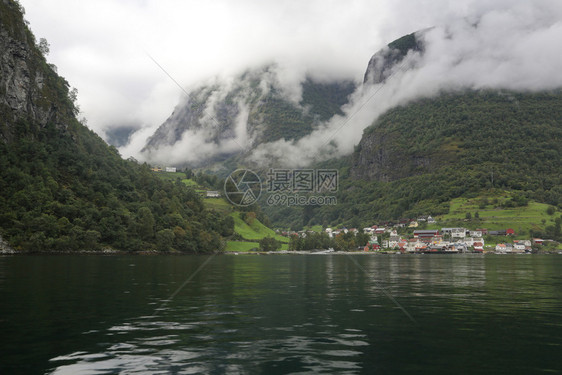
pixel 282 314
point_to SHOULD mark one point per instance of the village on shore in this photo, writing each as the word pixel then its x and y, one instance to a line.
pixel 395 237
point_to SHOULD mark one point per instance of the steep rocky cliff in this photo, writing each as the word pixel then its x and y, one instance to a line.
pixel 27 91
pixel 252 108
pixel 381 64
pixel 381 156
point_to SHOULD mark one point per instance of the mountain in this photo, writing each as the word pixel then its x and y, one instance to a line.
pixel 230 116
pixel 382 62
pixel 417 157
pixel 62 188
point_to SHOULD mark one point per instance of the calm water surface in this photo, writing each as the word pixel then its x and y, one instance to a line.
pixel 281 314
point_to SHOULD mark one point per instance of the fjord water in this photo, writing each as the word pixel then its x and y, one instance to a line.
pixel 281 314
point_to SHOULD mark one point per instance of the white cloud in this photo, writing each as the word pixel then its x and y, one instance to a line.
pixel 510 49
pixel 99 46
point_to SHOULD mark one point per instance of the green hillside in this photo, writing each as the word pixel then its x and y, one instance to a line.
pixel 246 231
pixel 250 233
pixel 62 188
pixel 419 157
pixel 491 213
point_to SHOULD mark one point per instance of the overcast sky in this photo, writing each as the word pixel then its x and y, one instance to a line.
pixel 102 47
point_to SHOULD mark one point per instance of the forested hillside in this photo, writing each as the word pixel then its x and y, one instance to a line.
pixel 416 158
pixel 61 186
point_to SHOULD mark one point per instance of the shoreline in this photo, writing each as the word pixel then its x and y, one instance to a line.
pixel 112 252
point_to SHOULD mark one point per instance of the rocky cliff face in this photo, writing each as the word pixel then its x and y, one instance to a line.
pixel 381 64
pixel 378 157
pixel 23 93
pixel 254 107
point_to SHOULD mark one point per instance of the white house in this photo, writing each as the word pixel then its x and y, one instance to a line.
pixel 501 248
pixel 171 169
pixel 393 241
pixel 458 232
pixel 519 247
pixel 213 194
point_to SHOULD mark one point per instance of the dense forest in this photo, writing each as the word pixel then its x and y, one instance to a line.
pixel 416 158
pixel 62 187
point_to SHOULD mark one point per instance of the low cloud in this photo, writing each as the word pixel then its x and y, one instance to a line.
pixel 512 49
pixel 101 48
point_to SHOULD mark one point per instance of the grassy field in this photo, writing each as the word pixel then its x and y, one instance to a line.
pixel 190 182
pixel 246 246
pixel 521 219
pixel 172 176
pixel 256 231
pixel 218 204
pixel 241 246
pixel 315 228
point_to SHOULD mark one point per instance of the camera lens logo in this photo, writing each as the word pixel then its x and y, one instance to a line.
pixel 242 187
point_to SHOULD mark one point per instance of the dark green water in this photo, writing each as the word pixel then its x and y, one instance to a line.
pixel 281 314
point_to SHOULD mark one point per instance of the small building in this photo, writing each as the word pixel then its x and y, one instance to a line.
pixel 501 248
pixel 468 241
pixel 519 247
pixel 510 232
pixel 393 241
pixel 426 233
pixel 171 169
pixel 454 232
pixel 212 194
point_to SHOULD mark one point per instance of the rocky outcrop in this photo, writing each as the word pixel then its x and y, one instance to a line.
pixel 23 94
pixel 5 248
pixel 383 62
pixel 379 157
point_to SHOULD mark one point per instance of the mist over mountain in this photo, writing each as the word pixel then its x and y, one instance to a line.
pixel 499 50
pixel 229 117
